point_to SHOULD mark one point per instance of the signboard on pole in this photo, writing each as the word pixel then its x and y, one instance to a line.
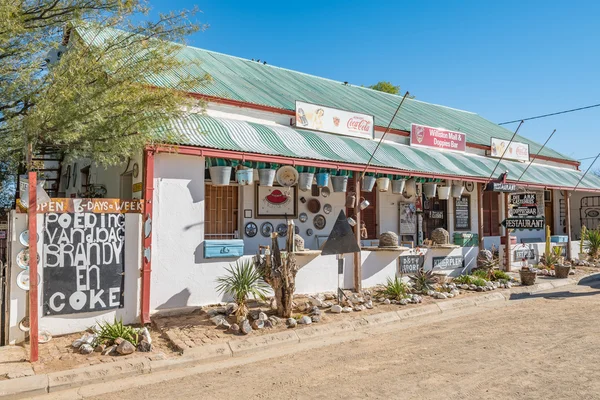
pixel 511 150
pixel 327 119
pixel 524 223
pixel 523 205
pixel 500 187
pixel 437 138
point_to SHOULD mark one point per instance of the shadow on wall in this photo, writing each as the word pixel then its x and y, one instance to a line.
pixel 178 300
pixel 376 261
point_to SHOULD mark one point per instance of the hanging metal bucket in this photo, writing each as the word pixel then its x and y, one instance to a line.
pixel 351 200
pixel 220 176
pixel 398 186
pixel 305 181
pixel 411 187
pixel 457 190
pixel 383 184
pixel 368 183
pixel 244 176
pixel 429 189
pixel 443 192
pixel 322 179
pixel 266 176
pixel 339 183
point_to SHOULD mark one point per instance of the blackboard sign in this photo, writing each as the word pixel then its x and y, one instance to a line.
pixel 451 262
pixel 462 213
pixel 524 253
pixel 523 205
pixel 410 264
pixel 83 262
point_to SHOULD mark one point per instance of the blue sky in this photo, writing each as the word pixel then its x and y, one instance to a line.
pixel 501 59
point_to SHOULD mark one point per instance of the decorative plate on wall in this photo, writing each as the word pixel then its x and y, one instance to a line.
pixel 136 170
pixel 251 229
pixel 469 186
pixel 327 208
pixel 24 238
pixel 297 230
pixel 314 206
pixel 266 228
pixel 282 230
pixel 319 222
pixel 303 217
pixel 325 192
pixel 309 232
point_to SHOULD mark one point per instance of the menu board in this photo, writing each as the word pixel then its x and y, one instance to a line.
pixel 410 264
pixel 462 213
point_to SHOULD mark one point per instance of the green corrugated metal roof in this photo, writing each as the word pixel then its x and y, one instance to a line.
pixel 252 82
pixel 224 134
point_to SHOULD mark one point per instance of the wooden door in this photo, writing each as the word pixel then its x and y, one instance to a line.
pixel 369 214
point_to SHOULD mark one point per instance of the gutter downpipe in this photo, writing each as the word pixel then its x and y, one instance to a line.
pixel 148 192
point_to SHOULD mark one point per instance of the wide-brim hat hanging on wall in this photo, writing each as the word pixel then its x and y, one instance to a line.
pixel 287 176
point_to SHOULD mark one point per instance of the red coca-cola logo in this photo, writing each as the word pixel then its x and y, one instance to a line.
pixel 522 151
pixel 359 124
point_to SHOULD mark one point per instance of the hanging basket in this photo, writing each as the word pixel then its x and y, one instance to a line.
pixel 383 184
pixel 411 187
pixel 443 192
pixel 220 176
pixel 244 176
pixel 305 181
pixel 266 176
pixel 339 183
pixel 398 186
pixel 429 189
pixel 368 183
pixel 322 179
pixel 457 190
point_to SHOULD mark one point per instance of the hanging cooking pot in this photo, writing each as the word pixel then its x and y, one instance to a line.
pixel 350 200
pixel 444 192
pixel 367 183
pixel 410 188
pixel 305 181
pixel 339 183
pixel 398 185
pixel 429 189
pixel 322 179
pixel 457 190
pixel 244 176
pixel 383 184
pixel 266 176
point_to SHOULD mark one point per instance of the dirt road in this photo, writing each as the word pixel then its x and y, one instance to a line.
pixel 540 348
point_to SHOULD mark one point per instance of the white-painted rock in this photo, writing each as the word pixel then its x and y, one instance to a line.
pixel 387 301
pixel 316 302
pixel 336 308
pixel 347 309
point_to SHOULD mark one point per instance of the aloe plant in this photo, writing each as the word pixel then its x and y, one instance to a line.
pixel 423 280
pixel 109 332
pixel 394 289
pixel 242 281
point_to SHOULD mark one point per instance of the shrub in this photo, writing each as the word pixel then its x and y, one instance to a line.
pixel 109 332
pixel 480 273
pixel 394 289
pixel 423 280
pixel 593 242
pixel 479 282
pixel 242 281
pixel 464 279
pixel 500 275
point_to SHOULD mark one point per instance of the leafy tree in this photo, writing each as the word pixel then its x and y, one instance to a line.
pixel 97 99
pixel 387 87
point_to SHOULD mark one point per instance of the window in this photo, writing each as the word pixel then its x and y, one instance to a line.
pixel 491 214
pixel 221 212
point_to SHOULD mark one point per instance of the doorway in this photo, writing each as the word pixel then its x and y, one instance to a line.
pixel 549 209
pixel 127 186
pixel 435 215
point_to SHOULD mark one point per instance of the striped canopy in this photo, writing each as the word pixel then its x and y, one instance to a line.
pixel 277 140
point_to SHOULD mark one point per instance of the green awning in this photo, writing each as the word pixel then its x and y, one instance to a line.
pixel 277 140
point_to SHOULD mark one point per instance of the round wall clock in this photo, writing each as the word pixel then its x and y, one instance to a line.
pixel 136 170
pixel 251 229
pixel 469 186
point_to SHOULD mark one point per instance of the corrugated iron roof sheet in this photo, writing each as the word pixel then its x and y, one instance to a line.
pixel 224 134
pixel 252 82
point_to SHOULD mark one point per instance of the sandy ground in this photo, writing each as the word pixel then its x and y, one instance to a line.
pixel 541 347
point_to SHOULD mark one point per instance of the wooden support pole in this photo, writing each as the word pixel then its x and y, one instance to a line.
pixel 480 214
pixel 357 256
pixel 33 269
pixel 568 223
pixel 506 236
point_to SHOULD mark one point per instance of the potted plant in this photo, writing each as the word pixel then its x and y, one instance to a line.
pixel 527 275
pixel 593 243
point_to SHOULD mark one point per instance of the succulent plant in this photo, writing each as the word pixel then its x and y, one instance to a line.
pixel 423 280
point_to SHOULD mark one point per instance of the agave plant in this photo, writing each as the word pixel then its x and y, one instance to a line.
pixel 552 258
pixel 423 280
pixel 394 289
pixel 593 242
pixel 242 281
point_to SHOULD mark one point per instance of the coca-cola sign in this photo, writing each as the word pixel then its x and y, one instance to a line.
pixel 508 150
pixel 438 138
pixel 327 119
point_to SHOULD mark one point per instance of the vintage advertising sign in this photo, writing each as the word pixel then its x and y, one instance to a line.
pixel 523 205
pixel 438 138
pixel 327 119
pixel 2 234
pixel 83 262
pixel 408 218
pixel 524 223
pixel 70 205
pixel 500 187
pixel 511 150
pixel 450 262
pixel 410 264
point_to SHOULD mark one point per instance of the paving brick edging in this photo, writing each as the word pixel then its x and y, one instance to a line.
pixel 56 381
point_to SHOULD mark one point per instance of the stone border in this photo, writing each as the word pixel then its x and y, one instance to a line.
pixel 29 386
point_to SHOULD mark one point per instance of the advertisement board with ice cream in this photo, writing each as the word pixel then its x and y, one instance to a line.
pixel 511 150
pixel 327 119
